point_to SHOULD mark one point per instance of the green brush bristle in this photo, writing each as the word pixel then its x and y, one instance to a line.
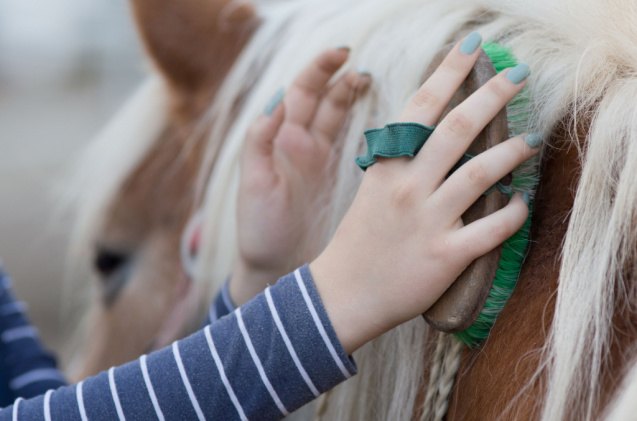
pixel 525 179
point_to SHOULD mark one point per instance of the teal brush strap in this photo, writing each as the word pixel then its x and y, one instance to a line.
pixel 393 141
pixel 405 139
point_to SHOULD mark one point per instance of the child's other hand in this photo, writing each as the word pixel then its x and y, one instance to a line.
pixel 286 173
pixel 402 243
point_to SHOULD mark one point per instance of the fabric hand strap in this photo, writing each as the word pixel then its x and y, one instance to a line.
pixel 393 141
pixel 406 139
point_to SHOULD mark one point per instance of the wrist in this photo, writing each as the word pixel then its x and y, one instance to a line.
pixel 356 313
pixel 246 282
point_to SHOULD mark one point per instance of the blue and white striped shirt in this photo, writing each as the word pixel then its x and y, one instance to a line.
pixel 261 361
pixel 27 369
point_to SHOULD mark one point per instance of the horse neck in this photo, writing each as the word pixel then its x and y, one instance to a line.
pixel 503 379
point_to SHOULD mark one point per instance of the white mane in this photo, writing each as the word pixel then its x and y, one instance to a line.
pixel 583 57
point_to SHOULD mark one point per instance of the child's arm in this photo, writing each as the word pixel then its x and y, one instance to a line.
pixel 268 358
pixel 28 369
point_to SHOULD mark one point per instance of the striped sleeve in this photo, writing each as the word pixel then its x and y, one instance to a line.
pixel 28 368
pixel 263 361
pixel 222 305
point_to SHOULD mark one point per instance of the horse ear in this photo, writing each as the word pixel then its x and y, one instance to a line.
pixel 193 43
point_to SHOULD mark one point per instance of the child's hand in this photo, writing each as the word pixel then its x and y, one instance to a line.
pixel 286 173
pixel 402 243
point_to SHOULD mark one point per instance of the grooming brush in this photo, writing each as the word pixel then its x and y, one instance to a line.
pixel 470 307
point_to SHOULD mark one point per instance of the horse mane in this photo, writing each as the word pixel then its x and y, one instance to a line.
pixel 584 69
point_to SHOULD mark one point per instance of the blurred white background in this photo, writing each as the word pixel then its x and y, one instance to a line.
pixel 65 68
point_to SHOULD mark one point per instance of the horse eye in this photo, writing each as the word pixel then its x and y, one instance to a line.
pixel 108 261
pixel 114 268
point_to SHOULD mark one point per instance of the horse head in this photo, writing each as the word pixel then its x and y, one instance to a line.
pixel 133 226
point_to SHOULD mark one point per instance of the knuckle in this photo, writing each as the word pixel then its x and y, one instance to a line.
pixel 498 89
pixel 424 98
pixel 342 100
pixel 458 124
pixel 449 253
pixel 502 231
pixel 342 96
pixel 452 67
pixel 441 250
pixel 405 194
pixel 477 174
pixel 329 62
pixel 352 81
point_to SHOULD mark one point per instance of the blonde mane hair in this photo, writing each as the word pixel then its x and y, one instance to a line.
pixel 584 62
pixel 98 172
pixel 583 68
pixel 102 167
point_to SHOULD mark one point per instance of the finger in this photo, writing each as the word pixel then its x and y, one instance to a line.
pixel 260 136
pixel 471 180
pixel 431 100
pixel 308 88
pixel 484 235
pixel 334 107
pixel 462 125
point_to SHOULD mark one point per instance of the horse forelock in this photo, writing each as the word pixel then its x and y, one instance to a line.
pixel 103 165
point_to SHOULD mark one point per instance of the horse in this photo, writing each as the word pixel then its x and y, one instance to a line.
pixel 132 207
pixel 566 339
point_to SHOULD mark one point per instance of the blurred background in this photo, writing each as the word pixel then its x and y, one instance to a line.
pixel 65 67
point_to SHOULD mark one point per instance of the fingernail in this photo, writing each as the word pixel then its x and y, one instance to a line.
pixel 471 43
pixel 519 73
pixel 526 198
pixel 534 140
pixel 344 48
pixel 274 102
pixel 363 72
